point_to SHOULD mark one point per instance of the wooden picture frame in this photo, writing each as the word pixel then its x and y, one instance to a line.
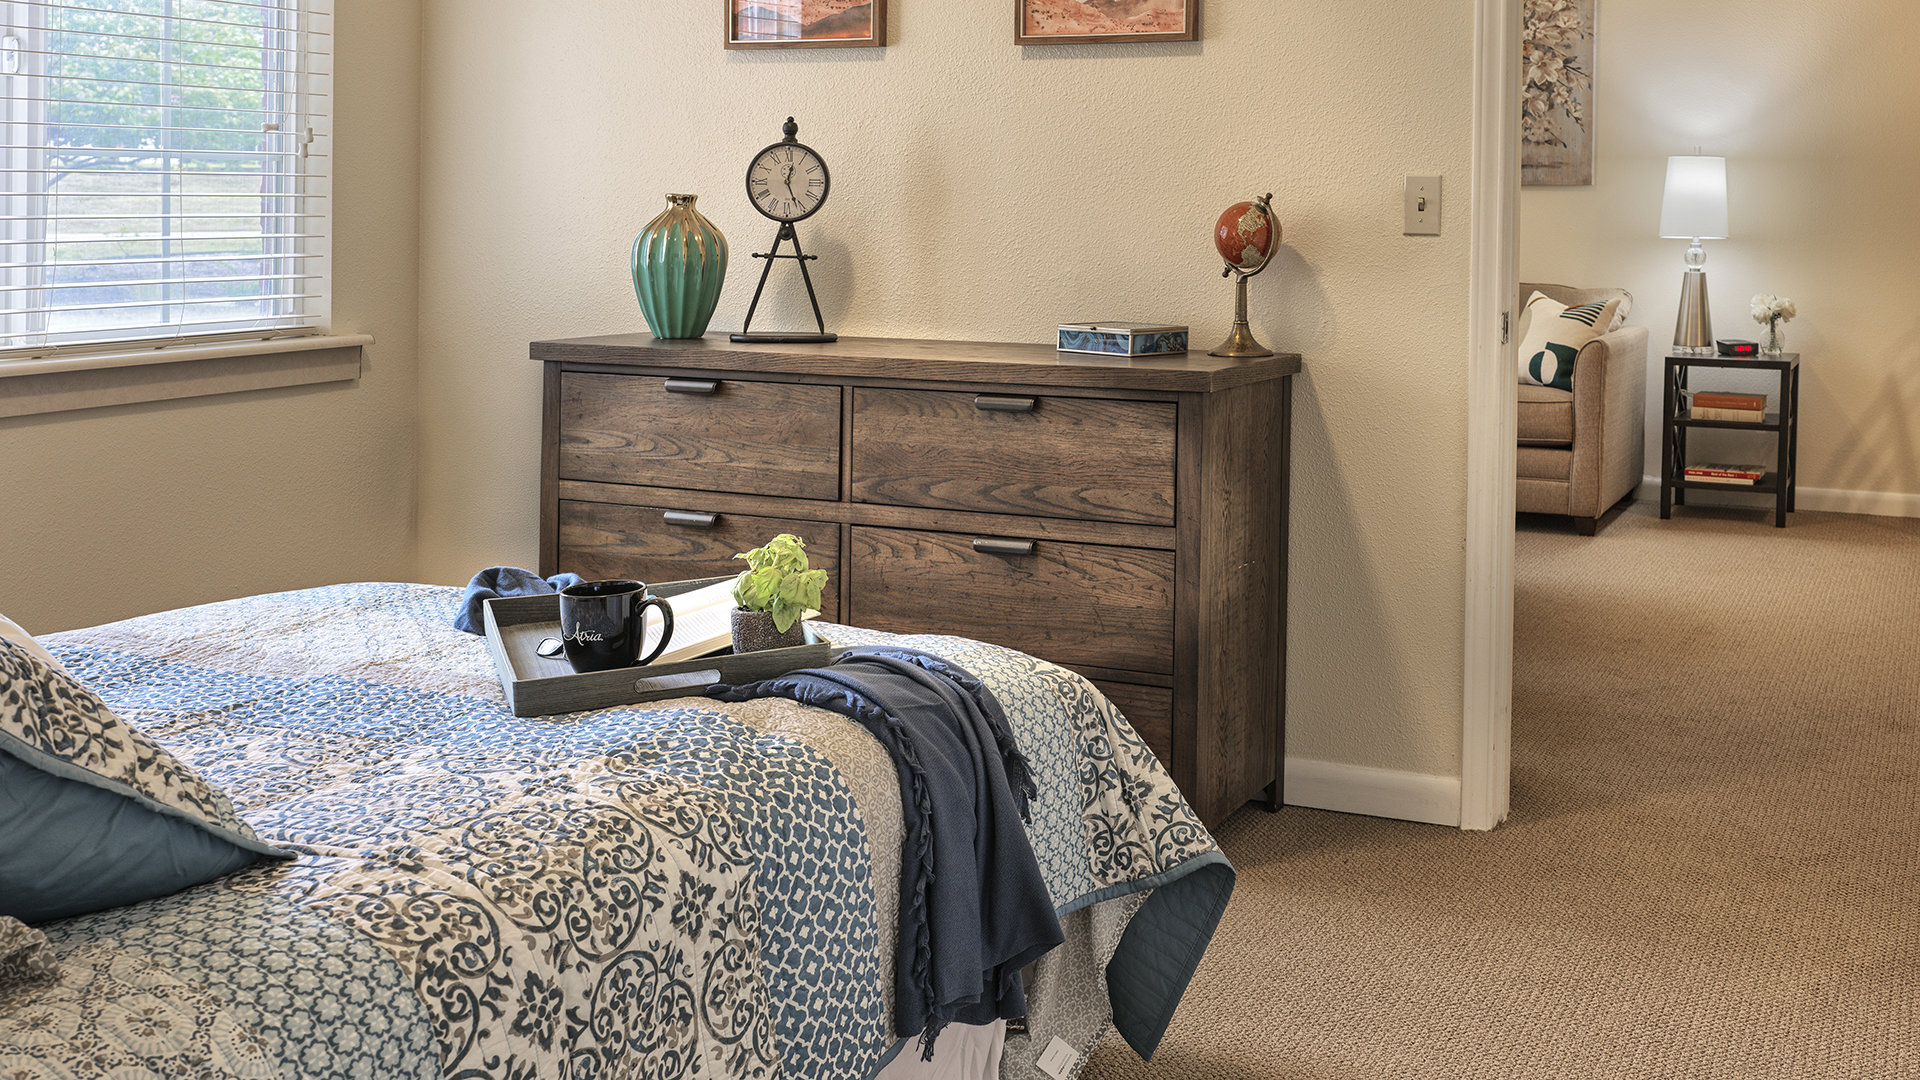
pixel 1556 94
pixel 1070 22
pixel 784 24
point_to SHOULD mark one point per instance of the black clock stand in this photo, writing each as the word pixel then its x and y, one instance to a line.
pixel 786 233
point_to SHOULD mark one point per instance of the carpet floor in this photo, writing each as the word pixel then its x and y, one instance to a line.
pixel 1710 866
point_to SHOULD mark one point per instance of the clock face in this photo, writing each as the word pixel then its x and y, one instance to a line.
pixel 787 181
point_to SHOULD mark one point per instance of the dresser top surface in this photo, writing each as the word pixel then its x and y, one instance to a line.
pixel 912 358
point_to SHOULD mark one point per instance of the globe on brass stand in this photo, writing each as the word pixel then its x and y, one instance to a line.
pixel 1245 235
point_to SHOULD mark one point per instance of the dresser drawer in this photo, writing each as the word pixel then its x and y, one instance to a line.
pixel 1073 604
pixel 1083 458
pixel 602 540
pixel 1150 710
pixel 756 438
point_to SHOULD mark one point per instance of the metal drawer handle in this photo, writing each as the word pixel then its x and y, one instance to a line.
pixel 992 403
pixel 988 545
pixel 692 518
pixel 692 386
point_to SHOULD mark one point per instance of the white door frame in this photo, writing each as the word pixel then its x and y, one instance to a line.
pixel 1487 679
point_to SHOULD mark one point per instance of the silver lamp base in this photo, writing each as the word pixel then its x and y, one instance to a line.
pixel 1693 329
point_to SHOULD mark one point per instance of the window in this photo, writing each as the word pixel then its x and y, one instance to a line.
pixel 164 175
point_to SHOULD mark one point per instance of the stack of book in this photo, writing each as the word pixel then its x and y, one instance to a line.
pixel 1750 407
pixel 1727 474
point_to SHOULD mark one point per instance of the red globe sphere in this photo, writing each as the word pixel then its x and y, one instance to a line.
pixel 1245 236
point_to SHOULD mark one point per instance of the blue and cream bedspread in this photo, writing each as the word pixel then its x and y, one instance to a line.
pixel 690 888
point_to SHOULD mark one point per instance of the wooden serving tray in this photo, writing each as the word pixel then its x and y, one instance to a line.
pixel 538 686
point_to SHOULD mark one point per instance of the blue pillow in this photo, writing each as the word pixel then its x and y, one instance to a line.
pixel 93 814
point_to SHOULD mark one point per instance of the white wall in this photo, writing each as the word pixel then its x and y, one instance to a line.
pixel 983 191
pixel 1816 108
pixel 130 509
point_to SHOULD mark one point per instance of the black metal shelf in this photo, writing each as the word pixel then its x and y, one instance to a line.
pixel 1783 425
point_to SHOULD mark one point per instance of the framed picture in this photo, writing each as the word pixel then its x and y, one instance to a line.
pixel 1078 22
pixel 805 24
pixel 1556 98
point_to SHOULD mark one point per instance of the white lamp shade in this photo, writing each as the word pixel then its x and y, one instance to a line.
pixel 1696 199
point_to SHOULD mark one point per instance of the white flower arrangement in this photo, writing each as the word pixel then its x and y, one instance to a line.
pixel 1555 84
pixel 1769 309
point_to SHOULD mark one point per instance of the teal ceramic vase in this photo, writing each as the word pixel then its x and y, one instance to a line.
pixel 679 263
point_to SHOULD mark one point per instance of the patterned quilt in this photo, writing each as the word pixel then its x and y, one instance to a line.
pixel 687 889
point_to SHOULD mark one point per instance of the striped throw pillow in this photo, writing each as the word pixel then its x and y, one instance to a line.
pixel 1554 337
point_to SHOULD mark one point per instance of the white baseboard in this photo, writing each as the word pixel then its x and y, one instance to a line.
pixel 1387 793
pixel 1879 503
pixel 1829 500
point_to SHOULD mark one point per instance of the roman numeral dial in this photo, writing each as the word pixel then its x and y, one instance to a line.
pixel 787 181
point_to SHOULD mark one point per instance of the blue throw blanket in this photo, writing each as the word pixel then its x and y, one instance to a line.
pixel 974 906
pixel 503 581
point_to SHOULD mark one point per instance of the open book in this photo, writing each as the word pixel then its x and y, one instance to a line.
pixel 702 624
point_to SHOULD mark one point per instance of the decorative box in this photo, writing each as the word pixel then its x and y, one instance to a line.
pixel 1122 339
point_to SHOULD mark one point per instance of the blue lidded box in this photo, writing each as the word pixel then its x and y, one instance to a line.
pixel 1122 339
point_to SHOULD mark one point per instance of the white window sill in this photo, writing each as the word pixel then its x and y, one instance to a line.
pixel 88 381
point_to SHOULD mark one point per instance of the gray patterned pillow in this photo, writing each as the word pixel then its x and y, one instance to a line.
pixel 93 814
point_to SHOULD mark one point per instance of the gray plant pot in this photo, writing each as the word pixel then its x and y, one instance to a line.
pixel 753 631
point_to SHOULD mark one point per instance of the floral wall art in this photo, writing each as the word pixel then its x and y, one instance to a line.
pixel 1556 102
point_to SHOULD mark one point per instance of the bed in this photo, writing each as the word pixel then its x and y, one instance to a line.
pixel 688 888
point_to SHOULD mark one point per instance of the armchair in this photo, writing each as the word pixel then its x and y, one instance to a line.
pixel 1583 450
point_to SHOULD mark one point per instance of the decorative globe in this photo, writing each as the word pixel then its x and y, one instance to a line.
pixel 1246 235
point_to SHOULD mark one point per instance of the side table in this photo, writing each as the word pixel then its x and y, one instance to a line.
pixel 1784 424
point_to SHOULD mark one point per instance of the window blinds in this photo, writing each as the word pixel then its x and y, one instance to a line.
pixel 165 171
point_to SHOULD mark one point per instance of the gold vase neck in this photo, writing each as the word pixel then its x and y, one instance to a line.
pixel 681 200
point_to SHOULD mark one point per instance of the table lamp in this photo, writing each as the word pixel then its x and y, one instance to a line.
pixel 1694 208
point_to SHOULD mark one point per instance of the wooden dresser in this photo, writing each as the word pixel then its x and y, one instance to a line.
pixel 1125 518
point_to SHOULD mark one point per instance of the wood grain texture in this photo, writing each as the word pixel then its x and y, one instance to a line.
pixel 1114 534
pixel 1070 457
pixel 1240 625
pixel 1068 603
pixel 1179 614
pixel 603 540
pixel 938 361
pixel 764 438
pixel 549 469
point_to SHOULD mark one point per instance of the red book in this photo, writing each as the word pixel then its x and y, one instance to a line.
pixel 1730 401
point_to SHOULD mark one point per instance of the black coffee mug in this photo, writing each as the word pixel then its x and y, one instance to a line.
pixel 602 624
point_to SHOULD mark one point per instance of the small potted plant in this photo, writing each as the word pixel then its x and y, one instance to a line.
pixel 772 593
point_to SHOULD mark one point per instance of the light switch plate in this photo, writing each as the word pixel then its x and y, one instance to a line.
pixel 1422 197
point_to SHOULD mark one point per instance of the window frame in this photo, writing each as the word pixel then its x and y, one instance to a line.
pixel 295 186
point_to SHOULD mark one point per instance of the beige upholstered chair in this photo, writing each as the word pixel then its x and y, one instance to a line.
pixel 1582 451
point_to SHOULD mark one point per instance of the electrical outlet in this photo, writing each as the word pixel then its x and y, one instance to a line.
pixel 1422 212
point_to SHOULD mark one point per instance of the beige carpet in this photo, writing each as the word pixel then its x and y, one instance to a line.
pixel 1710 865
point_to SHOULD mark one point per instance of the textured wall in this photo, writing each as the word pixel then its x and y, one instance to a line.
pixel 988 192
pixel 1814 105
pixel 130 509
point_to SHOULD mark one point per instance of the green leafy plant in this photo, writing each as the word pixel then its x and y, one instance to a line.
pixel 778 582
